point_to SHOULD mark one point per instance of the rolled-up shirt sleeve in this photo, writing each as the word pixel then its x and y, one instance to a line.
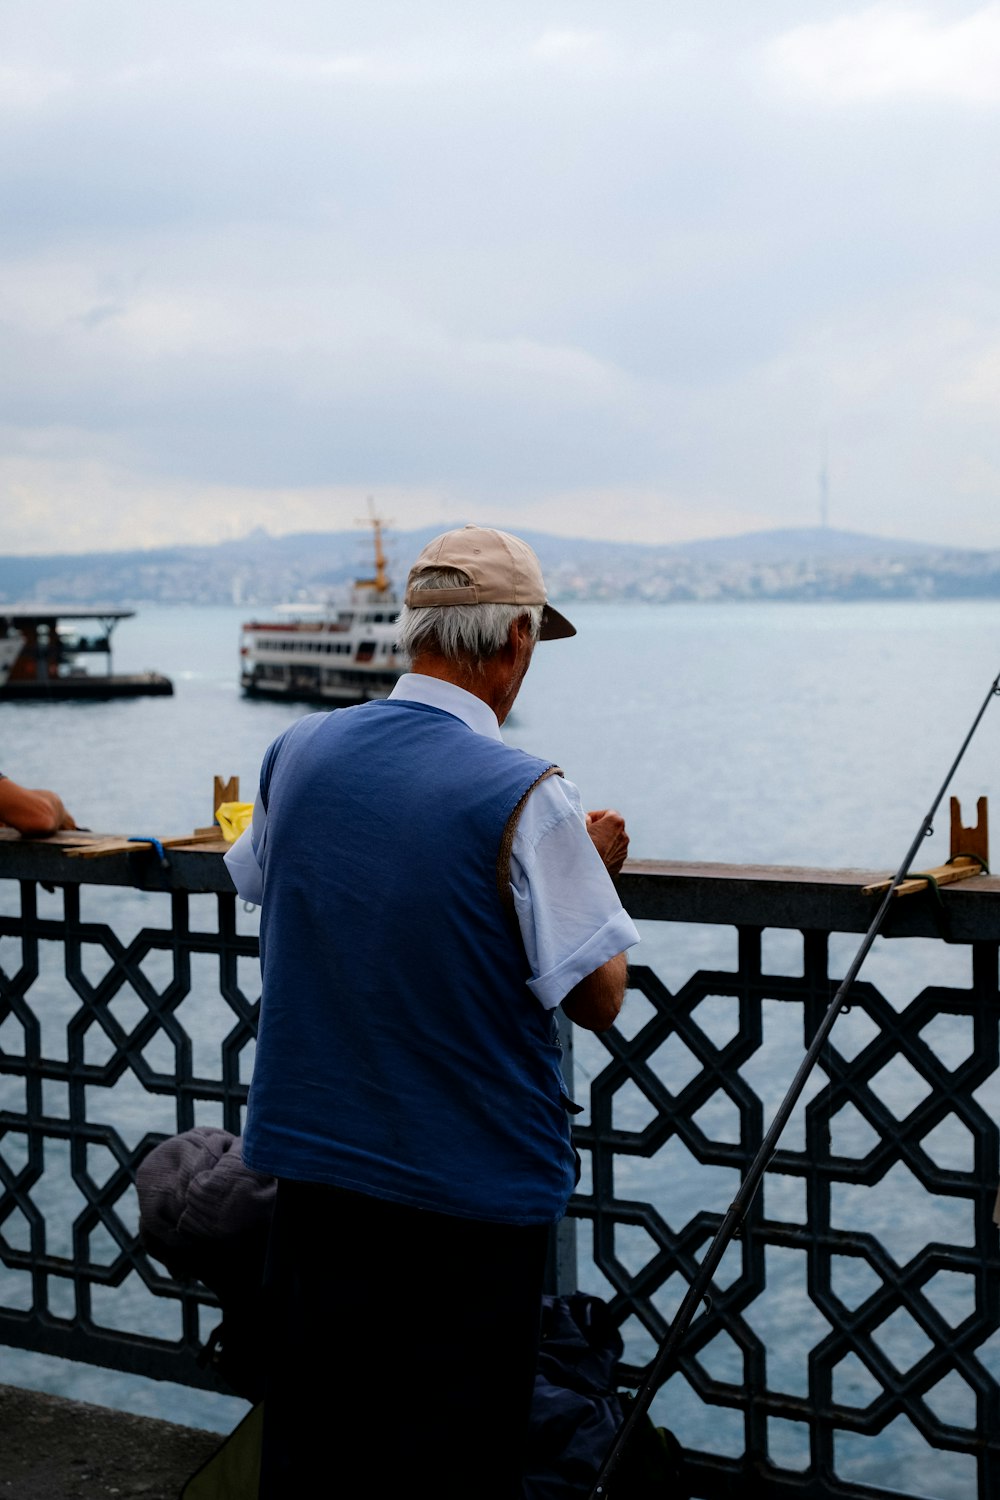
pixel 568 910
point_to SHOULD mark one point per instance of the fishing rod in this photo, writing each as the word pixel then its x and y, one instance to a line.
pixel 734 1215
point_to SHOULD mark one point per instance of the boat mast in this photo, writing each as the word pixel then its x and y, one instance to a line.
pixel 380 583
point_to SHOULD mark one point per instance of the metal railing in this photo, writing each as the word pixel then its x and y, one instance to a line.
pixel 852 1340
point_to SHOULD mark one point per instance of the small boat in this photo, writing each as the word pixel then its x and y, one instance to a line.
pixel 41 646
pixel 333 653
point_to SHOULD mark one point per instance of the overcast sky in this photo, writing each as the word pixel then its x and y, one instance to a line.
pixel 637 270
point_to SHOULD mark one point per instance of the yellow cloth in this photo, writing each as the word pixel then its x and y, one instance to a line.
pixel 232 818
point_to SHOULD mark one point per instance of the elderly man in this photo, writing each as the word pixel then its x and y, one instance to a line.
pixel 429 896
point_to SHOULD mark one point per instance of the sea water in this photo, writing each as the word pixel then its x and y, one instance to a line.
pixel 791 734
pixel 773 733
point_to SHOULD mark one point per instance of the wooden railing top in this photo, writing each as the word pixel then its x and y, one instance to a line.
pixel 793 896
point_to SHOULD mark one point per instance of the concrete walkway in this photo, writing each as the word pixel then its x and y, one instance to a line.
pixel 53 1449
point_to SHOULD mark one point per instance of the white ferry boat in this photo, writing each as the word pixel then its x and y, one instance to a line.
pixel 335 653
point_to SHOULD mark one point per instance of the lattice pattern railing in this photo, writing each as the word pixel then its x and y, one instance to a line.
pixel 912 1331
pixel 851 1346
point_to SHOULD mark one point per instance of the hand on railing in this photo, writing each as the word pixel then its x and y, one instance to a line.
pixel 607 831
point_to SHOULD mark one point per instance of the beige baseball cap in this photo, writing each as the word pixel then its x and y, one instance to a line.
pixel 503 569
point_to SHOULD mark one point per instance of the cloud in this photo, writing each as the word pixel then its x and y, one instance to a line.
pixel 570 46
pixel 539 259
pixel 67 492
pixel 893 52
pixel 24 89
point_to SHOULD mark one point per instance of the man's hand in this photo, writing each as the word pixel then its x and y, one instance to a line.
pixel 34 811
pixel 607 831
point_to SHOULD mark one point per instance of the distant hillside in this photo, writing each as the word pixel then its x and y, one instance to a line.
pixel 260 570
pixel 807 544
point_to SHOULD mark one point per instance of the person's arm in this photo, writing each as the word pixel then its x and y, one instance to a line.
pixel 595 1001
pixel 32 810
pixel 576 933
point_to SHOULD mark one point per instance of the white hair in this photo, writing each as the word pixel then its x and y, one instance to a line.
pixel 459 631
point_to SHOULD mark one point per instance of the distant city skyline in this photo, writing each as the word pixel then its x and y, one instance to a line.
pixel 794 565
pixel 638 274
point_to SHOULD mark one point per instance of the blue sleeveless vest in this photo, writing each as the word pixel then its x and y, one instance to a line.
pixel 400 1052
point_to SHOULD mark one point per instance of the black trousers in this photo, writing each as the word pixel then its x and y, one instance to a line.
pixel 401 1349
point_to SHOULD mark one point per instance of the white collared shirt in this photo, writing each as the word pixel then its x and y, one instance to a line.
pixel 568 910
